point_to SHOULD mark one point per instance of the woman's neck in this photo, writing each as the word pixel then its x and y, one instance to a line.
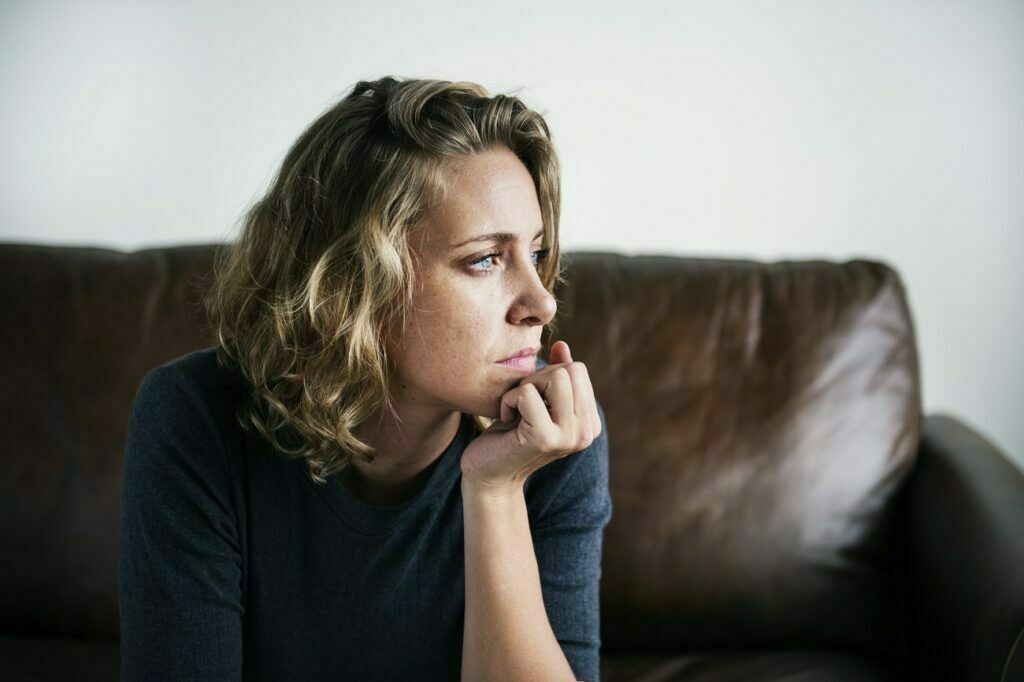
pixel 406 456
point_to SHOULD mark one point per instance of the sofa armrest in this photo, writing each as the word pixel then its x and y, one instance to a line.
pixel 966 557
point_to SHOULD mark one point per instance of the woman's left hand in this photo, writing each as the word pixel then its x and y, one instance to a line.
pixel 550 414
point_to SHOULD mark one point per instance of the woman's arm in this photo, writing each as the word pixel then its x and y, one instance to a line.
pixel 180 572
pixel 507 635
pixel 569 506
pixel 552 422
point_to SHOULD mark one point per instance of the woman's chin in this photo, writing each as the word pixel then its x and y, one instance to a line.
pixel 489 408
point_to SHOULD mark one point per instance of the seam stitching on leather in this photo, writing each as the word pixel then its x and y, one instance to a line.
pixel 1013 649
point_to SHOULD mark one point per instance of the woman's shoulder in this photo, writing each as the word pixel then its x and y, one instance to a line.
pixel 184 440
pixel 202 368
pixel 194 391
pixel 199 372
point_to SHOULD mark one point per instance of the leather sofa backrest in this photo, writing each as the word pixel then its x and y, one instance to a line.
pixel 761 417
pixel 762 420
pixel 80 328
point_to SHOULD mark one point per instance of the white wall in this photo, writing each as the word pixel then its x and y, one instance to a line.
pixel 882 129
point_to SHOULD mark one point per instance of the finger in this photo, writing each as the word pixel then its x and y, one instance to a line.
pixel 559 353
pixel 584 405
pixel 559 394
pixel 582 386
pixel 542 380
pixel 582 392
pixel 512 401
pixel 528 401
pixel 510 404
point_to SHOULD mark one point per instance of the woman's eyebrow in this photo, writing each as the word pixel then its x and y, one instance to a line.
pixel 501 237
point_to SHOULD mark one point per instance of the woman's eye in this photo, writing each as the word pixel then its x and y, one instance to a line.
pixel 479 262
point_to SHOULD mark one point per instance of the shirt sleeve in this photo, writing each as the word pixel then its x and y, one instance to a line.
pixel 572 508
pixel 180 568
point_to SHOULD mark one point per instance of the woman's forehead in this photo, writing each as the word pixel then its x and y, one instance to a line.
pixel 467 224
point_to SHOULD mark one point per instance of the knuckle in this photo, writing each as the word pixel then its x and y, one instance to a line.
pixel 576 440
pixel 551 442
pixel 586 434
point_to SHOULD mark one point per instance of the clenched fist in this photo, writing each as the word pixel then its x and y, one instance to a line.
pixel 550 414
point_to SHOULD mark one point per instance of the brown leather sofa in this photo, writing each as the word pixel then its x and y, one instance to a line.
pixel 781 507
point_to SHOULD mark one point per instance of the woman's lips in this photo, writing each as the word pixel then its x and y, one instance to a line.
pixel 525 363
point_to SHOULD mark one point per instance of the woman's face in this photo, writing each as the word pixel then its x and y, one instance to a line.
pixel 478 300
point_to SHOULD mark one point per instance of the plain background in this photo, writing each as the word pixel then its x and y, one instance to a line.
pixel 883 129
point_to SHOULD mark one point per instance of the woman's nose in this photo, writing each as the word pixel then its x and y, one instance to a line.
pixel 533 299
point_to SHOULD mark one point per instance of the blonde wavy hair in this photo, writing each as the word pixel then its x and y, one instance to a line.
pixel 301 301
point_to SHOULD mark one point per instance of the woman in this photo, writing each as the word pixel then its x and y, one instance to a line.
pixel 372 475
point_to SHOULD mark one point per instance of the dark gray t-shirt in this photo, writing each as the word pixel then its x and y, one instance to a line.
pixel 234 565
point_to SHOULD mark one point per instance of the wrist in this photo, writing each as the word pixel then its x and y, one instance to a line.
pixel 491 490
